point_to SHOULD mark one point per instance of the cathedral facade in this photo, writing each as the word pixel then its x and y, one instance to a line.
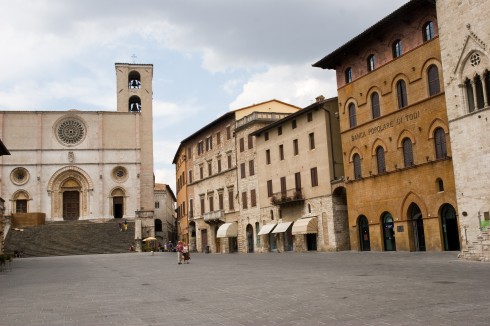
pixel 79 165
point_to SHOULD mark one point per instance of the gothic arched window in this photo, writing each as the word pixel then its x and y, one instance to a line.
pixel 433 79
pixel 401 92
pixel 407 152
pixel 397 48
pixel 440 143
pixel 479 92
pixel 428 31
pixel 348 75
pixel 469 95
pixel 352 115
pixel 357 166
pixel 380 159
pixel 375 107
pixel 371 62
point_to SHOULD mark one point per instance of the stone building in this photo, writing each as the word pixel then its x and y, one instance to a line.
pixel 164 215
pixel 3 151
pixel 465 40
pixel 395 134
pixel 75 165
pixel 247 122
pixel 209 188
pixel 302 199
pixel 183 157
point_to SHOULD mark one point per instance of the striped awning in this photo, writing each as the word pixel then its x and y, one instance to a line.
pixel 228 230
pixel 282 227
pixel 305 226
pixel 266 229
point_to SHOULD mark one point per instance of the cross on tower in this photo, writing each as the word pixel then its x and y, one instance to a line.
pixel 134 57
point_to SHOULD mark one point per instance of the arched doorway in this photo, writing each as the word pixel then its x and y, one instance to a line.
pixel 450 230
pixel 389 232
pixel 311 240
pixel 118 202
pixel 158 225
pixel 19 201
pixel 364 240
pixel 339 198
pixel 250 238
pixel 71 199
pixel 69 188
pixel 415 215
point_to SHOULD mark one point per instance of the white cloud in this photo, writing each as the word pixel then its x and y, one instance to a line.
pixel 164 150
pixel 166 174
pixel 298 85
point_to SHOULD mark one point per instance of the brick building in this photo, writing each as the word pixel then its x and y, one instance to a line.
pixel 395 134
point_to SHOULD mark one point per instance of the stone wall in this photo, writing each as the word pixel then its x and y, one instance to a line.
pixel 465 32
pixel 23 220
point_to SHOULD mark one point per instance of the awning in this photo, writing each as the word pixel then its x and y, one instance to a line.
pixel 305 226
pixel 266 229
pixel 227 230
pixel 282 227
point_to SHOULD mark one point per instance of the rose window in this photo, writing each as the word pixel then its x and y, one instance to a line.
pixel 70 131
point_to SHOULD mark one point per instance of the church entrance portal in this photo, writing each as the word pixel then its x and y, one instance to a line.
pixel 70 188
pixel 118 208
pixel 71 205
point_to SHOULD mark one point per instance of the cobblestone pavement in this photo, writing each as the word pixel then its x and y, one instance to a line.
pixel 346 288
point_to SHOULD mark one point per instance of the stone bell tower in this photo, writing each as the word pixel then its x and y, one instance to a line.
pixel 135 95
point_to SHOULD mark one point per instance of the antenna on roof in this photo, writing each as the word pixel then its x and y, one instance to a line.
pixel 134 58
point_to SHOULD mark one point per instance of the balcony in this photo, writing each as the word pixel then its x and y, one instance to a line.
pixel 291 196
pixel 214 216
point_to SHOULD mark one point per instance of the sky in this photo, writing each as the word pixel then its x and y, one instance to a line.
pixel 208 56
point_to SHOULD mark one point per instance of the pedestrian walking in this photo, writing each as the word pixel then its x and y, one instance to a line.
pixel 125 225
pixel 179 248
pixel 170 246
pixel 185 253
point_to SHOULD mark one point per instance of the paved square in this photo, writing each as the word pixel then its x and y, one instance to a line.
pixel 345 288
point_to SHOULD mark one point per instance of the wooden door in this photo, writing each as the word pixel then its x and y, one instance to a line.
pixel 71 205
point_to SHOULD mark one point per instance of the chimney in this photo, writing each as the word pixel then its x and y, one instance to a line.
pixel 320 98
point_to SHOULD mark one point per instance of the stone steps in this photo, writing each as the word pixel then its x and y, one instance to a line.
pixel 478 250
pixel 70 238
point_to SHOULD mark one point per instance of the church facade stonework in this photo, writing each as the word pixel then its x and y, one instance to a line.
pixel 78 165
